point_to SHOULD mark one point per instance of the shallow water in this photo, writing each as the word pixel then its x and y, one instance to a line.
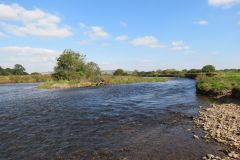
pixel 134 121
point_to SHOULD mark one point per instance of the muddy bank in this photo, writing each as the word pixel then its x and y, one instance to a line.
pixel 221 122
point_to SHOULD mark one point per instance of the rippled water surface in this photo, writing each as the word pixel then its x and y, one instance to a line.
pixel 134 121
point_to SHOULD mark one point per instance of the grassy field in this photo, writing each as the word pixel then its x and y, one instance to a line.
pixel 107 79
pixel 224 83
pixel 25 78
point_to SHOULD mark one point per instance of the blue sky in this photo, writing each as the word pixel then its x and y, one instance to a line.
pixel 137 34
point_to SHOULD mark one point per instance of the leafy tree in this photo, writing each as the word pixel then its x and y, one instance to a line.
pixel 135 73
pixel 18 70
pixel 93 71
pixel 119 72
pixel 208 69
pixel 8 71
pixel 70 66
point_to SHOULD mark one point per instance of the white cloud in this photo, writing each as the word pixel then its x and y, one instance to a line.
pixel 97 32
pixel 223 3
pixel 92 33
pixel 202 22
pixel 34 59
pixel 179 46
pixel 149 41
pixel 20 21
pixel 121 38
pixel 123 24
pixel 27 51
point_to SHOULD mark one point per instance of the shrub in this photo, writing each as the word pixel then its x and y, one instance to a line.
pixel 236 92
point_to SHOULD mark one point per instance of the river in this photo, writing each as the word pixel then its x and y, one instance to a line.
pixel 133 121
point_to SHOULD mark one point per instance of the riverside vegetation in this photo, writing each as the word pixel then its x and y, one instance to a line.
pixel 73 71
pixel 222 84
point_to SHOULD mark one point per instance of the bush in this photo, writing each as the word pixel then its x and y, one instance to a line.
pixel 236 92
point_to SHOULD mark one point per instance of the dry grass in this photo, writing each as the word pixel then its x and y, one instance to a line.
pixel 25 78
pixel 107 79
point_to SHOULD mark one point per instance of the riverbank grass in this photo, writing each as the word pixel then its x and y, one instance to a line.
pixel 106 80
pixel 131 79
pixel 222 84
pixel 24 78
pixel 65 84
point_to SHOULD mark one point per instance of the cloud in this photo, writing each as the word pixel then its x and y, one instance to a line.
pixel 121 38
pixel 223 3
pixel 123 24
pixel 97 32
pixel 149 41
pixel 20 21
pixel 202 22
pixel 27 51
pixel 179 46
pixel 92 33
pixel 34 59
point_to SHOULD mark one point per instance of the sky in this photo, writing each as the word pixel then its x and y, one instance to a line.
pixel 137 34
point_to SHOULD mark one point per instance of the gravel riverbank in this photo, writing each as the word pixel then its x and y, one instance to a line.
pixel 221 122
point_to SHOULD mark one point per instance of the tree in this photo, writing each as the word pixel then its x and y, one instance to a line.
pixel 208 69
pixel 8 71
pixel 119 72
pixel 70 66
pixel 93 71
pixel 19 70
pixel 135 73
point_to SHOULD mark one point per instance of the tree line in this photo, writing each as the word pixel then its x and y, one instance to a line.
pixel 18 69
pixel 208 69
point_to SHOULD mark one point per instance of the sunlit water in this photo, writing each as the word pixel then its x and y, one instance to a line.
pixel 134 121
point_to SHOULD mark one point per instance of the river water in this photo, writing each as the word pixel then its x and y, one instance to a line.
pixel 133 121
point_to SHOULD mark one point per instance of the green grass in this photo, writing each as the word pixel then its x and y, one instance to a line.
pixel 108 80
pixel 222 83
pixel 25 78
